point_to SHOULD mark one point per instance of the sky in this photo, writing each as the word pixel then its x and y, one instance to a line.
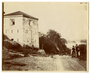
pixel 70 19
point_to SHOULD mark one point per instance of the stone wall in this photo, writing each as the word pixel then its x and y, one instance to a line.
pixel 13 30
pixel 30 32
pixel 24 30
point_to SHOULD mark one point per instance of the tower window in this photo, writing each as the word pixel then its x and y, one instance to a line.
pixel 12 21
pixel 26 31
pixel 29 22
pixel 23 20
pixel 11 31
pixel 17 40
pixel 17 31
pixel 35 40
pixel 6 31
pixel 28 40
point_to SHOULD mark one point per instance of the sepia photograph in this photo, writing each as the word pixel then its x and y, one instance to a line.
pixel 45 36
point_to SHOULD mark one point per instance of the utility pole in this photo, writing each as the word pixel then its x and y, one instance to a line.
pixel 2 23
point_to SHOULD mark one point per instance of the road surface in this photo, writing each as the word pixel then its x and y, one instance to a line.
pixel 38 63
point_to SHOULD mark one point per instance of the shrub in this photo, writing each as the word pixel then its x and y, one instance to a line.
pixel 5 54
pixel 68 51
pixel 5 37
pixel 13 45
pixel 83 52
pixel 48 46
pixel 28 47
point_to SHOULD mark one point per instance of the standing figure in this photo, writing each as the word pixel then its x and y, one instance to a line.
pixel 73 51
pixel 77 50
pixel 32 46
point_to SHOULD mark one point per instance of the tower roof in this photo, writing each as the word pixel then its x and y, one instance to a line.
pixel 21 13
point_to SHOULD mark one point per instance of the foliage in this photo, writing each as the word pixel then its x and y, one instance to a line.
pixel 55 37
pixel 48 46
pixel 13 45
pixel 68 51
pixel 53 43
pixel 83 41
pixel 83 51
pixel 5 37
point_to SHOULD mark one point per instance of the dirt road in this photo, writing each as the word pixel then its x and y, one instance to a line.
pixel 38 63
pixel 72 64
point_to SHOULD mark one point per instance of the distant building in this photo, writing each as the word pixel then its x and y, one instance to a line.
pixel 22 28
pixel 41 34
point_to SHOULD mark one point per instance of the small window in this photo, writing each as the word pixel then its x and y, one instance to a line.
pixel 33 22
pixel 29 22
pixel 11 31
pixel 12 21
pixel 6 31
pixel 17 40
pixel 35 32
pixel 23 20
pixel 26 31
pixel 31 31
pixel 17 31
pixel 35 40
pixel 27 40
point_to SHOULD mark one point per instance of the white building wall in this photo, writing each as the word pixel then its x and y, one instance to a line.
pixel 35 34
pixel 26 32
pixel 14 31
pixel 22 32
pixel 30 32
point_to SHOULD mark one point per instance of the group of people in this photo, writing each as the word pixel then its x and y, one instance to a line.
pixel 75 51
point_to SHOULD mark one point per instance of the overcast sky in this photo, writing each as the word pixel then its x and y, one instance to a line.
pixel 69 19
